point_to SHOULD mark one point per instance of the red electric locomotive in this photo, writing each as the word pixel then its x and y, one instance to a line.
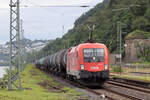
pixel 88 62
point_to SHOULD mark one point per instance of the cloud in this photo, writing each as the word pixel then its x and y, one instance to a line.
pixel 3 10
pixel 2 6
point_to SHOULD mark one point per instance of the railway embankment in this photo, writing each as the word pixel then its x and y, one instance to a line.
pixel 40 86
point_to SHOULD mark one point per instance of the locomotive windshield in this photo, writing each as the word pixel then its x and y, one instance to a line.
pixel 93 55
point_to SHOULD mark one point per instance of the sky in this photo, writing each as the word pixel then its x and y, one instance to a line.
pixel 44 22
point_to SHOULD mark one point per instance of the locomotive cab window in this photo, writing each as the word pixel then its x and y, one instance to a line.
pixel 93 55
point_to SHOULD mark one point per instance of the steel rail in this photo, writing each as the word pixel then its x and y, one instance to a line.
pixel 137 83
pixel 141 89
pixel 122 94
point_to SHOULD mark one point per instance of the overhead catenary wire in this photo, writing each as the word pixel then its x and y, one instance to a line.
pixel 54 6
pixel 34 5
pixel 37 5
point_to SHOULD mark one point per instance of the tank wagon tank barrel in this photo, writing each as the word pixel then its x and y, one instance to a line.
pixel 55 62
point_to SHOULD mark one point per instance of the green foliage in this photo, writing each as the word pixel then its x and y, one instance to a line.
pixel 140 23
pixel 117 69
pixel 90 13
pixel 147 14
pixel 144 52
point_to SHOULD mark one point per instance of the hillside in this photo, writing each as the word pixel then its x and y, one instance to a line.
pixel 134 15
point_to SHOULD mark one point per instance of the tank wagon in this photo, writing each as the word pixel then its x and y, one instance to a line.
pixel 84 62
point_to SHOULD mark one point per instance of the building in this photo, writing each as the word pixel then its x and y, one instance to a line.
pixel 135 43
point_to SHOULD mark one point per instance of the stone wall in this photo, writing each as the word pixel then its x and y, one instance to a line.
pixel 131 49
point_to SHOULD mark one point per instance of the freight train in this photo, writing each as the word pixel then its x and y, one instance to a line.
pixel 87 62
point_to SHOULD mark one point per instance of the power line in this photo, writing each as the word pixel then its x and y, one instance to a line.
pixel 51 6
pixel 37 5
pixel 47 6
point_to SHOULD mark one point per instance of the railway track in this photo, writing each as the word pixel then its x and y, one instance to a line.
pixel 123 95
pixel 132 82
pixel 111 91
pixel 141 73
pixel 119 95
pixel 105 93
pixel 101 95
pixel 111 95
pixel 135 87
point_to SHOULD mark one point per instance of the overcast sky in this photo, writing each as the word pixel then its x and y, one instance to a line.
pixel 44 23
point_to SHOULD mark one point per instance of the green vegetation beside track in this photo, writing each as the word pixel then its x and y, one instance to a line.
pixel 39 86
pixel 134 77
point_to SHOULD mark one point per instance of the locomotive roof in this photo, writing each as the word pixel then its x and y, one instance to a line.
pixel 91 45
pixel 87 45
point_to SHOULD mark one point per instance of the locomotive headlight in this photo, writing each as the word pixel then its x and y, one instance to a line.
pixel 106 66
pixel 82 67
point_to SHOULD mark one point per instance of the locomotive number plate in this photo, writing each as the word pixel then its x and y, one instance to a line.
pixel 94 67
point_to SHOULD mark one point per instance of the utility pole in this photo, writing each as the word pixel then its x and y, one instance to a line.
pixel 119 42
pixel 120 39
pixel 14 54
pixel 118 32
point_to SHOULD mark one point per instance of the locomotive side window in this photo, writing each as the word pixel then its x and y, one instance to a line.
pixel 77 55
pixel 93 55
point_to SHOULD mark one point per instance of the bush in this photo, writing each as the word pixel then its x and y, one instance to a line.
pixel 117 69
pixel 144 52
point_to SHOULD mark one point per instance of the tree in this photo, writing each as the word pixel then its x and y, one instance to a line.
pixel 140 23
pixel 147 14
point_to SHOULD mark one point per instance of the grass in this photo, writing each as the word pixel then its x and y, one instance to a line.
pixel 116 69
pixel 31 78
pixel 142 78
